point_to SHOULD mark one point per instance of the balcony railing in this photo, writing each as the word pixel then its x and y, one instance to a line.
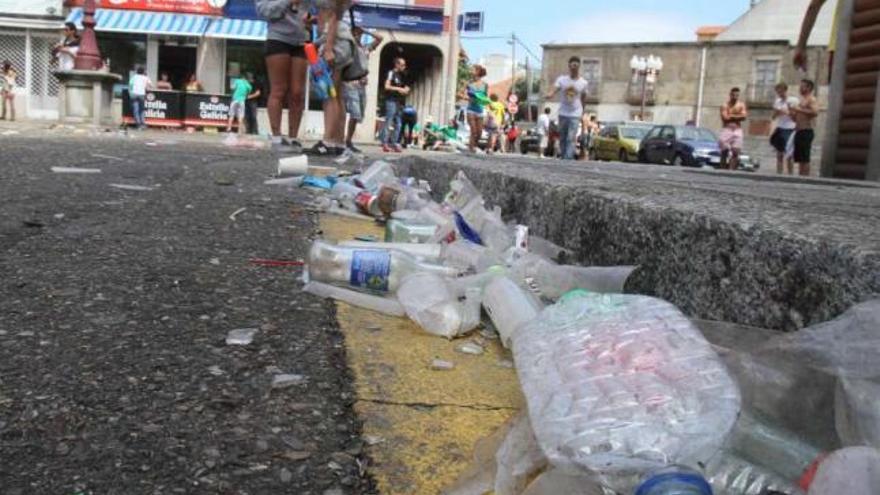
pixel 635 90
pixel 761 95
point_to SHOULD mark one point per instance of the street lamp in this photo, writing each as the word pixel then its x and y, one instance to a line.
pixel 648 69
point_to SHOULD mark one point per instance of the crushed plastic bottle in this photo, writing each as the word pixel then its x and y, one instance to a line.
pixel 617 384
pixel 378 270
pixel 850 471
pixel 430 302
pixel 402 231
pixel 509 307
pixel 730 474
pixel 377 174
pixel 550 280
pixel 378 304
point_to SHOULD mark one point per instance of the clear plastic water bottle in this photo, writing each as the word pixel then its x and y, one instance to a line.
pixel 378 270
pixel 617 384
pixel 509 306
pixel 552 281
pixel 431 302
pixel 730 474
pixel 376 175
pixel 403 231
pixel 674 480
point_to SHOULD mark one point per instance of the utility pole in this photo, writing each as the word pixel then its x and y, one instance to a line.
pixel 528 91
pixel 513 63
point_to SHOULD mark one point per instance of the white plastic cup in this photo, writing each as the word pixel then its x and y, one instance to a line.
pixel 293 165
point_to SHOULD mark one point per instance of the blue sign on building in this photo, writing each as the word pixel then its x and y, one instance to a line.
pixel 241 9
pixel 397 19
pixel 471 22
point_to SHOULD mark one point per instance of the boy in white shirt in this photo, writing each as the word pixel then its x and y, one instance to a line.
pixel 785 127
pixel 137 91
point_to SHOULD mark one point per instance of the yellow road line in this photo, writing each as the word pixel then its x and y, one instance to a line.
pixel 426 421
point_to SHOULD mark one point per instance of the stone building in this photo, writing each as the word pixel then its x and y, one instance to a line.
pixel 753 53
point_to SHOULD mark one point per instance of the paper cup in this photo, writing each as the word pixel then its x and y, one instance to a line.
pixel 294 165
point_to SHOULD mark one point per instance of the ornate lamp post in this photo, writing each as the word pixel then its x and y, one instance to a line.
pixel 648 69
pixel 88 57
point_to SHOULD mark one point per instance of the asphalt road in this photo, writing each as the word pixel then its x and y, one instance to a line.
pixel 115 305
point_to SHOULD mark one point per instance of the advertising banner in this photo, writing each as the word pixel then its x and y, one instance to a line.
pixel 204 7
pixel 163 108
pixel 205 110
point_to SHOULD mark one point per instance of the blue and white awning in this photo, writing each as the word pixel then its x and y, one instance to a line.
pixel 135 21
pixel 239 29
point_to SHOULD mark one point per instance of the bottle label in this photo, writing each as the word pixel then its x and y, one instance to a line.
pixel 370 270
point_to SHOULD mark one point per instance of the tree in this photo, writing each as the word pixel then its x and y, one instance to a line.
pixel 464 72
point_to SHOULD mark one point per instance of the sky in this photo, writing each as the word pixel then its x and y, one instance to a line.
pixel 594 21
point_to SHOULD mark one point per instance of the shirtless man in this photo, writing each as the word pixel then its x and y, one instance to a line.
pixel 804 115
pixel 733 114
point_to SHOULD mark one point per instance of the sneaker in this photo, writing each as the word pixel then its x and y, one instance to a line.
pixel 353 148
pixel 294 144
pixel 344 155
pixel 321 149
pixel 340 150
pixel 386 148
pixel 398 149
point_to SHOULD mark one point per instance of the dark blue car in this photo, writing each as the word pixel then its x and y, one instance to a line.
pixel 681 146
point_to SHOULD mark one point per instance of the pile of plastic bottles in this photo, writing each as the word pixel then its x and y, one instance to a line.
pixel 624 392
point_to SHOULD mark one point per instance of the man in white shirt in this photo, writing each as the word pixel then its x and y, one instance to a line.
pixel 544 131
pixel 785 127
pixel 137 92
pixel 572 90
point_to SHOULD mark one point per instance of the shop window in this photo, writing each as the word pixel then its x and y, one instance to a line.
pixel 126 53
pixel 244 57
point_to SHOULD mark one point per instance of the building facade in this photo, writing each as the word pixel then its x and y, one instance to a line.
pixel 184 37
pixel 28 31
pixel 754 53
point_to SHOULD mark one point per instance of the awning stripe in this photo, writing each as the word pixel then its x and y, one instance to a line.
pixel 242 29
pixel 134 21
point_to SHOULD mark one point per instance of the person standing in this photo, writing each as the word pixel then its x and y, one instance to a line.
pixel 287 69
pixel 804 114
pixel 572 89
pixel 589 129
pixel 65 51
pixel 7 90
pixel 164 83
pixel 137 92
pixel 396 91
pixel 785 127
pixel 512 136
pixel 240 91
pixel 356 91
pixel 733 114
pixel 544 132
pixel 193 85
pixel 494 122
pixel 409 120
pixel 477 96
pixel 337 47
pixel 252 105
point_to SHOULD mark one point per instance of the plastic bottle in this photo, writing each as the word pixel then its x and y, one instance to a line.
pixel 379 270
pixel 730 474
pixel 425 252
pixel 509 307
pixel 376 175
pixel 430 301
pixel 674 480
pixel 552 281
pixel 764 444
pixel 850 471
pixel 401 231
pixel 345 193
pixel 382 305
pixel 617 384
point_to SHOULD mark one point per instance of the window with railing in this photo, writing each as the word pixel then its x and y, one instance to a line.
pixel 762 89
pixel 591 70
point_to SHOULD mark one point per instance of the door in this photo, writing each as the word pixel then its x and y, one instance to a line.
pixel 650 145
pixel 179 62
pixel 666 145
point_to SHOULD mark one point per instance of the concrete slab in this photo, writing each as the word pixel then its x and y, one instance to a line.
pixel 763 251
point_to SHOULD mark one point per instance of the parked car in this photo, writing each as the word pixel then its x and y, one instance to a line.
pixel 681 146
pixel 618 142
pixel 529 142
